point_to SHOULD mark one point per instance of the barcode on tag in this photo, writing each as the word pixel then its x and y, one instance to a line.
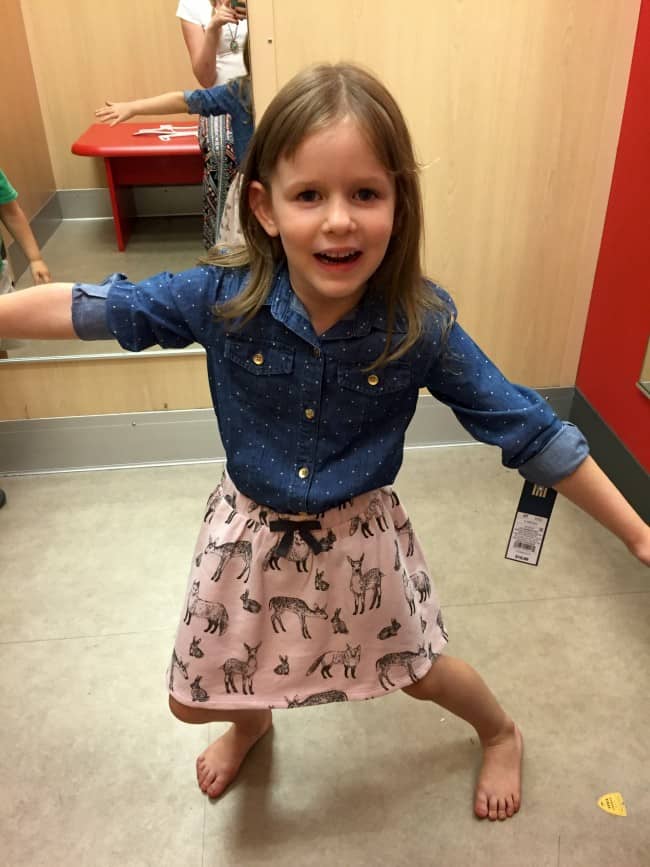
pixel 526 538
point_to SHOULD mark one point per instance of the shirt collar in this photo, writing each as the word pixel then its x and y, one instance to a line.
pixel 287 308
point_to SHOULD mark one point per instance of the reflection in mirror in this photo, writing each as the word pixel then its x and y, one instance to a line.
pixel 644 376
pixel 84 251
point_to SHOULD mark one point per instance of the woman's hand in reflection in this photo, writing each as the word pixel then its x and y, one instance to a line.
pixel 223 13
pixel 114 112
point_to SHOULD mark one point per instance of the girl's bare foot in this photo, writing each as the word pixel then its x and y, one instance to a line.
pixel 217 766
pixel 498 790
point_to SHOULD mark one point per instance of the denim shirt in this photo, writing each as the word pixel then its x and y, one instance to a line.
pixel 224 99
pixel 303 424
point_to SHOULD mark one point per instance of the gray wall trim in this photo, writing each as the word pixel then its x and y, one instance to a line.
pixel 615 459
pixel 44 224
pixel 95 204
pixel 182 436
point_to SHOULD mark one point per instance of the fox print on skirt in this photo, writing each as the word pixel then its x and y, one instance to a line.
pixel 294 611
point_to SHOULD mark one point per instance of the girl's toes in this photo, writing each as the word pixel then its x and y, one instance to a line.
pixel 493 808
pixel 481 805
pixel 216 788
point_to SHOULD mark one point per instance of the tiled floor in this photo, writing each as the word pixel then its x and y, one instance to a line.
pixel 96 773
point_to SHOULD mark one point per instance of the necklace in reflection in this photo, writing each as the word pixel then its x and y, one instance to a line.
pixel 234 45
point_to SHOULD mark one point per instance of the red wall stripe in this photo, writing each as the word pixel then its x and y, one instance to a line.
pixel 618 324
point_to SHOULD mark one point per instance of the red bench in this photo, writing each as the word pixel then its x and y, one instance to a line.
pixel 134 161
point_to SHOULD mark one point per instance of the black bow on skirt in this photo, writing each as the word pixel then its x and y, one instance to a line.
pixel 289 528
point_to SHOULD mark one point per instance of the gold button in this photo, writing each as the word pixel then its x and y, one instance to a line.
pixel 316 352
pixel 258 358
pixel 373 379
pixel 309 413
pixel 303 472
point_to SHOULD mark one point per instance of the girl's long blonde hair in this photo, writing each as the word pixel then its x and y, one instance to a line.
pixel 313 100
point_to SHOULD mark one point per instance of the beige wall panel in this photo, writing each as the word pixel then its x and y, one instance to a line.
pixel 84 53
pixel 24 155
pixel 515 108
pixel 86 386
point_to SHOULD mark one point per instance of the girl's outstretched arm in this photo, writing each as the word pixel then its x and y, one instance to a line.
pixel 166 103
pixel 590 489
pixel 38 313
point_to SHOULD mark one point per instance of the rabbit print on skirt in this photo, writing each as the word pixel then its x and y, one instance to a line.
pixel 292 611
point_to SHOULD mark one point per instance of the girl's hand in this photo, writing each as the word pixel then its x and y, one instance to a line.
pixel 114 112
pixel 40 271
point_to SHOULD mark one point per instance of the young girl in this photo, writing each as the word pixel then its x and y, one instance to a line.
pixel 234 99
pixel 308 584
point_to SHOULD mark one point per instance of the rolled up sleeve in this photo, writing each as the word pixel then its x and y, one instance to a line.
pixel 89 309
pixel 210 101
pixel 560 457
pixel 532 439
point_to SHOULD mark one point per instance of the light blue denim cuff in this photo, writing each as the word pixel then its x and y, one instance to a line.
pixel 193 106
pixel 559 458
pixel 89 309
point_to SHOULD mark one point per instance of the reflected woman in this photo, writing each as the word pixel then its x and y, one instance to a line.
pixel 215 32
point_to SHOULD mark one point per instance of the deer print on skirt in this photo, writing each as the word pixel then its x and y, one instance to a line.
pixel 299 552
pixel 406 529
pixel 280 604
pixel 215 496
pixel 348 658
pixel 375 509
pixel 317 698
pixel 214 612
pixel 361 582
pixel 405 659
pixel 418 583
pixel 225 553
pixel 245 670
pixel 176 663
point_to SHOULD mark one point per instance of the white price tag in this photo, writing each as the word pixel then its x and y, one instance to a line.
pixel 526 538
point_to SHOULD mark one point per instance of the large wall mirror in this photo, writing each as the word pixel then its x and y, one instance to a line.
pixel 85 249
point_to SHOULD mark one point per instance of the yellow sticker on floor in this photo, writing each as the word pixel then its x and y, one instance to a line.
pixel 613 803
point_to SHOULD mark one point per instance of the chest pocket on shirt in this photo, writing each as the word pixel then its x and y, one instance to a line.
pixel 375 394
pixel 261 372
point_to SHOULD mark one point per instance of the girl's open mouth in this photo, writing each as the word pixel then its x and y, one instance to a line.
pixel 338 259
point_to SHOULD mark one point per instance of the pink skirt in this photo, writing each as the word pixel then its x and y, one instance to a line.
pixel 299 610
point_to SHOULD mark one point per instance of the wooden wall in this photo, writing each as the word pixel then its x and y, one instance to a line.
pixel 515 109
pixel 24 152
pixel 84 53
